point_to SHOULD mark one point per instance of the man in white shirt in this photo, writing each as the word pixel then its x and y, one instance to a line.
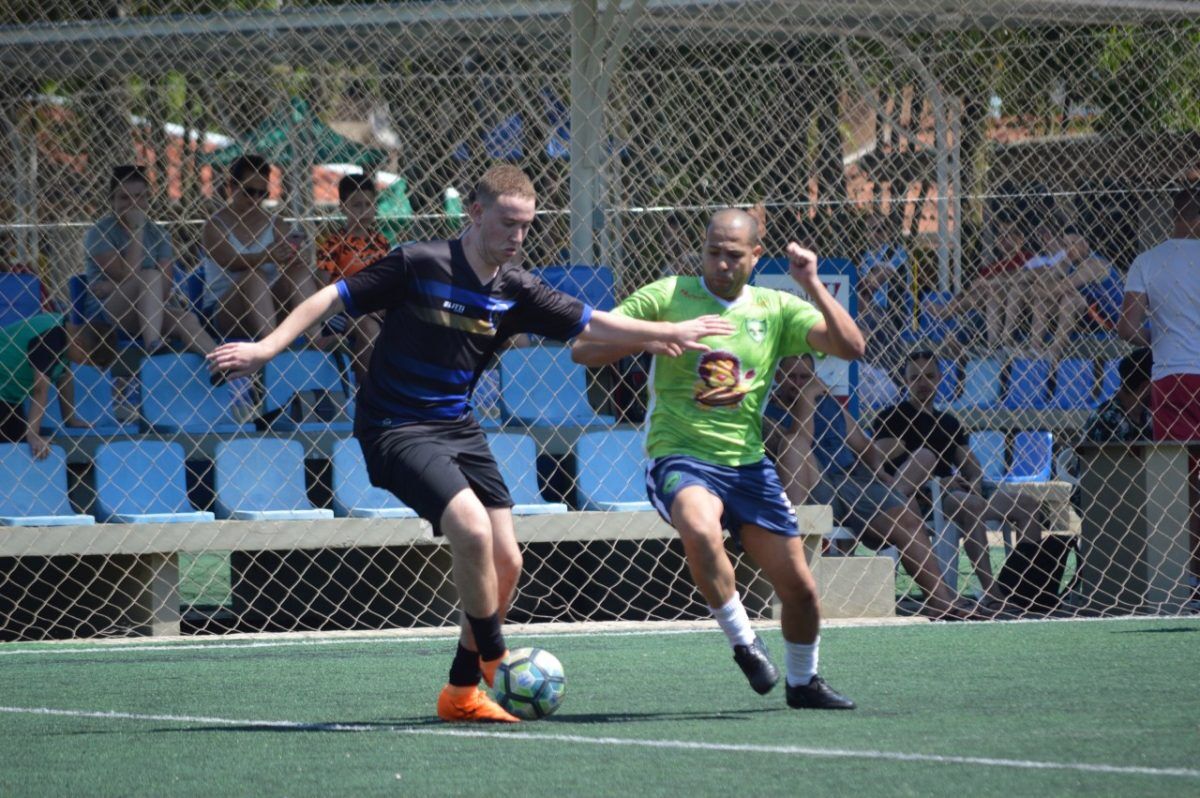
pixel 1163 286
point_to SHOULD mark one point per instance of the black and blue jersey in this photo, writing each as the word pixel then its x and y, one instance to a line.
pixel 442 327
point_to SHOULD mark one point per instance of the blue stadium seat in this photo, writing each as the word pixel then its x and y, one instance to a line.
pixel 947 388
pixel 143 482
pixel 612 470
pixel 262 479
pixel 35 491
pixel 988 446
pixel 1074 383
pixel 178 397
pixel 517 458
pixel 292 371
pixel 93 404
pixel 593 284
pixel 20 297
pixel 1028 384
pixel 1110 381
pixel 1033 457
pixel 353 494
pixel 929 327
pixel 540 386
pixel 981 384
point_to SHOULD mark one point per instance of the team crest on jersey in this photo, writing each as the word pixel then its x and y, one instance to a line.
pixel 756 329
pixel 721 382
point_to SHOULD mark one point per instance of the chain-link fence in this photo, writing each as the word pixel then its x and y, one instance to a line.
pixel 978 179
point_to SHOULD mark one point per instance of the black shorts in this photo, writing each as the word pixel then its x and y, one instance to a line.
pixel 428 463
pixel 13 425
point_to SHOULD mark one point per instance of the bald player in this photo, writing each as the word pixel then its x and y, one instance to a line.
pixel 707 470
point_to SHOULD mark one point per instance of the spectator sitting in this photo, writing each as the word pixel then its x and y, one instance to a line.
pixel 34 353
pixel 1026 289
pixel 991 292
pixel 1080 287
pixel 922 442
pixel 127 267
pixel 1126 415
pixel 351 249
pixel 254 266
pixel 822 455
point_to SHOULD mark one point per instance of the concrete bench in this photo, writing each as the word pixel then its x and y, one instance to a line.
pixel 126 576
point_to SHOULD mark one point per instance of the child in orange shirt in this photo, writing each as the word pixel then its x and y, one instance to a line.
pixel 351 249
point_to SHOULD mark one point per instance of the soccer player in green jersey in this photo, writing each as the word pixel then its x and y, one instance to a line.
pixel 707 469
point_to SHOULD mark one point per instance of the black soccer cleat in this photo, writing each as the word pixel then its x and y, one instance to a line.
pixel 756 663
pixel 817 694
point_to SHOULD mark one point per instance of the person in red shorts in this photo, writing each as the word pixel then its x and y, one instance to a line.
pixel 347 251
pixel 1163 287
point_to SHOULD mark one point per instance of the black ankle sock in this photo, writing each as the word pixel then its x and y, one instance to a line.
pixel 464 671
pixel 488 638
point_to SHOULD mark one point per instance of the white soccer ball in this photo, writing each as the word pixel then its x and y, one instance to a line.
pixel 530 683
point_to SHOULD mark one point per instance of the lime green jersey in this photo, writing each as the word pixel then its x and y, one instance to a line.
pixel 709 405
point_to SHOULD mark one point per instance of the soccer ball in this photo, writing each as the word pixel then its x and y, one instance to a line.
pixel 530 683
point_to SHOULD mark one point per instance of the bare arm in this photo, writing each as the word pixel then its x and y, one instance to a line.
pixel 610 336
pixel 836 334
pixel 38 398
pixel 862 444
pixel 1131 325
pixel 792 451
pixel 118 264
pixel 243 358
pixel 66 399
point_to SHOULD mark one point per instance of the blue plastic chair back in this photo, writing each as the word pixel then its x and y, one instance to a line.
pixel 259 474
pixel 988 447
pixel 611 470
pixel 352 488
pixel 1033 457
pixel 516 456
pixel 1074 382
pixel 594 285
pixel 928 326
pixel 1028 384
pixel 93 404
pixel 20 297
pixel 33 487
pixel 140 477
pixel 298 370
pixel 947 388
pixel 178 397
pixel 540 386
pixel 981 384
pixel 1111 379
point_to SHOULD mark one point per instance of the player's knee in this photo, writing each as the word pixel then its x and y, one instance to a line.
pixel 799 589
pixel 509 563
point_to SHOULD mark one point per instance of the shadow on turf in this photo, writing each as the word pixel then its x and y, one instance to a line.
pixel 410 723
pixel 1168 630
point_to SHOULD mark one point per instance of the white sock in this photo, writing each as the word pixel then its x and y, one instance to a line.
pixel 734 621
pixel 801 661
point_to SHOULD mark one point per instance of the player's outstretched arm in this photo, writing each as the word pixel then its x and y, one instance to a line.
pixel 610 336
pixel 836 334
pixel 246 357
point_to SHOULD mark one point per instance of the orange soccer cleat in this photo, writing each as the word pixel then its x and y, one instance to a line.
pixel 470 705
pixel 489 668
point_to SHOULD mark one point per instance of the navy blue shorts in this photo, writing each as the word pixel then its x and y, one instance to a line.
pixel 751 494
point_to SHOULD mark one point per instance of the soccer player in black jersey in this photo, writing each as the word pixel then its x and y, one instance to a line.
pixel 449 306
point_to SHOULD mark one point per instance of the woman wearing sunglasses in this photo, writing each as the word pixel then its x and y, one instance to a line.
pixel 256 269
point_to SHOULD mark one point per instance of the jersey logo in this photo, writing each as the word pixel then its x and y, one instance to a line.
pixel 756 329
pixel 671 482
pixel 721 382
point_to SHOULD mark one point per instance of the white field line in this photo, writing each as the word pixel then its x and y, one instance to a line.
pixel 391 636
pixel 626 742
